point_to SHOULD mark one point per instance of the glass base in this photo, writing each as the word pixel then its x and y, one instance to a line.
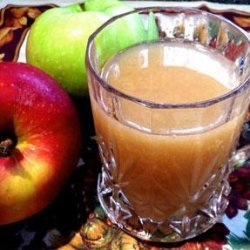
pixel 178 227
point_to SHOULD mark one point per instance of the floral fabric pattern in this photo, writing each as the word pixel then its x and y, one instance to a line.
pixel 75 219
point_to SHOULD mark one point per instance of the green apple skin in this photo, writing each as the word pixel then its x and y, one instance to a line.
pixel 57 44
pixel 58 39
pixel 41 120
pixel 121 34
pixel 100 5
pixel 127 31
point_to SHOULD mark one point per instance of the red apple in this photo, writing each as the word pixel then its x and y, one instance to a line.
pixel 39 140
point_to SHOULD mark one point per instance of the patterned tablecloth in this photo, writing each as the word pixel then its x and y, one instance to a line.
pixel 75 219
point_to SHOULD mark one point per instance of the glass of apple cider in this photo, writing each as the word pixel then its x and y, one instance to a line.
pixel 169 90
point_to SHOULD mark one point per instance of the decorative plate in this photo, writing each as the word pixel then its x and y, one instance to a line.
pixel 75 219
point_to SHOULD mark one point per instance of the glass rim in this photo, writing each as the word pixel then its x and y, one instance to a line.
pixel 164 105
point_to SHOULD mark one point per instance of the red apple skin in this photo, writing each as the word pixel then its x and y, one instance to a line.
pixel 45 122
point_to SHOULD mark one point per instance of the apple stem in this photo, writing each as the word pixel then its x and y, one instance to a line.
pixel 6 146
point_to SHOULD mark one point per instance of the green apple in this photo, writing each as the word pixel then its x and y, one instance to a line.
pixel 121 34
pixel 58 38
pixel 125 32
pixel 153 33
pixel 57 43
pixel 101 5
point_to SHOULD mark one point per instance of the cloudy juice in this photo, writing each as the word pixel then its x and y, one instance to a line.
pixel 163 157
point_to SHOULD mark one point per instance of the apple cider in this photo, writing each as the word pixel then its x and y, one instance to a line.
pixel 162 158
